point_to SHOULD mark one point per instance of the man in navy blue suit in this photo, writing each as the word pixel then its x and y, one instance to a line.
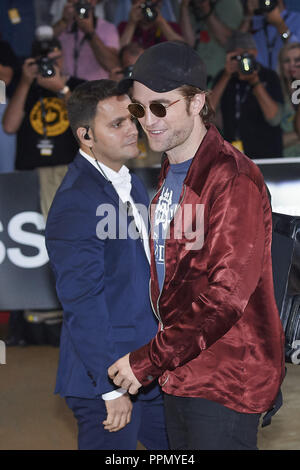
pixel 96 236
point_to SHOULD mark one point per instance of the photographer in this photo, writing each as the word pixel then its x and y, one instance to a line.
pixel 90 44
pixel 250 100
pixel 272 25
pixel 147 26
pixel 207 25
pixel 37 111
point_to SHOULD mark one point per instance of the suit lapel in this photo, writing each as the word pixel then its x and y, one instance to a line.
pixel 83 165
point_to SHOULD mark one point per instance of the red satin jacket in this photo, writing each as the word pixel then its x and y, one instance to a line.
pixel 220 334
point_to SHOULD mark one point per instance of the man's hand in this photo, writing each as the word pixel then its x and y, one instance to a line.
pixel 86 25
pixel 231 64
pixel 274 17
pixel 251 6
pixel 136 14
pixel 29 71
pixel 69 12
pixel 121 374
pixel 118 413
pixel 56 82
pixel 251 78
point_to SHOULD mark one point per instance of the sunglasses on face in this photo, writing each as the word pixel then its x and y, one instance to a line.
pixel 137 110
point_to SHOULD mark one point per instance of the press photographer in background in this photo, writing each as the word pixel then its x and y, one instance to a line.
pixel 37 110
pixel 250 100
pixel 289 72
pixel 90 44
pixel 207 25
pixel 147 26
pixel 272 24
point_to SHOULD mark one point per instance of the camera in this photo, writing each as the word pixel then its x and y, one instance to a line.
pixel 45 66
pixel 265 6
pixel 247 63
pixel 82 9
pixel 127 72
pixel 40 51
pixel 149 11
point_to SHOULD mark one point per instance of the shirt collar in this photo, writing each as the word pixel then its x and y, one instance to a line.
pixel 112 175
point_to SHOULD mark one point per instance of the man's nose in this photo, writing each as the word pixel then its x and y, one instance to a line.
pixel 132 127
pixel 149 119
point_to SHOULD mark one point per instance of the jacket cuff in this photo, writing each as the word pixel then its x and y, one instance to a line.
pixel 142 367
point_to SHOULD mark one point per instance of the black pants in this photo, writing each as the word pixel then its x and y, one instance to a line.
pixel 199 424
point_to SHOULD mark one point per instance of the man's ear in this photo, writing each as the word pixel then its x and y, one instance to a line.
pixel 83 134
pixel 197 103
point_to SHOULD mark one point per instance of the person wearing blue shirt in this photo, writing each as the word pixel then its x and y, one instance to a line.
pixel 271 30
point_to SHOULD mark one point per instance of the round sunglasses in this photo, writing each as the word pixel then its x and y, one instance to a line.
pixel 137 110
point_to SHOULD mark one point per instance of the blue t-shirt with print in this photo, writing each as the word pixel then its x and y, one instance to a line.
pixel 164 212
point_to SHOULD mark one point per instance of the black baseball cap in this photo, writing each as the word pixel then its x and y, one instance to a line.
pixel 167 66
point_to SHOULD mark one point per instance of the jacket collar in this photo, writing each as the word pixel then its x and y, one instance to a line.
pixel 83 165
pixel 206 154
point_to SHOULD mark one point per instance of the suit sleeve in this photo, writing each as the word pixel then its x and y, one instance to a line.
pixel 236 240
pixel 77 259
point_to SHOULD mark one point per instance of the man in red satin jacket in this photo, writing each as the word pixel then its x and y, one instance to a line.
pixel 219 351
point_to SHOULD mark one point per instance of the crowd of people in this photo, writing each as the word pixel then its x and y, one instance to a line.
pixel 252 59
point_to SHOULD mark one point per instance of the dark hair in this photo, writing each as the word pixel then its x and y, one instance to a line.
pixel 82 104
pixel 207 113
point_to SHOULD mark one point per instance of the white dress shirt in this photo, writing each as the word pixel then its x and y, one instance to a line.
pixel 121 182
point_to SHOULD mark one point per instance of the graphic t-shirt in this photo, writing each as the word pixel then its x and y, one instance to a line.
pixel 45 137
pixel 164 212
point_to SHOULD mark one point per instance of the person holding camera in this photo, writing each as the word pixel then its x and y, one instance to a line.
pixel 37 110
pixel 90 44
pixel 147 26
pixel 272 25
pixel 207 25
pixel 250 100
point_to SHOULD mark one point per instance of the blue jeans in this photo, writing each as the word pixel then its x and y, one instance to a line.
pixel 200 424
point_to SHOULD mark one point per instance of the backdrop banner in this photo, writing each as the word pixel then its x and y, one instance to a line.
pixel 26 280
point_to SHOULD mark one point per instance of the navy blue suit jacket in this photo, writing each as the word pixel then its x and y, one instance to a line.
pixel 102 284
